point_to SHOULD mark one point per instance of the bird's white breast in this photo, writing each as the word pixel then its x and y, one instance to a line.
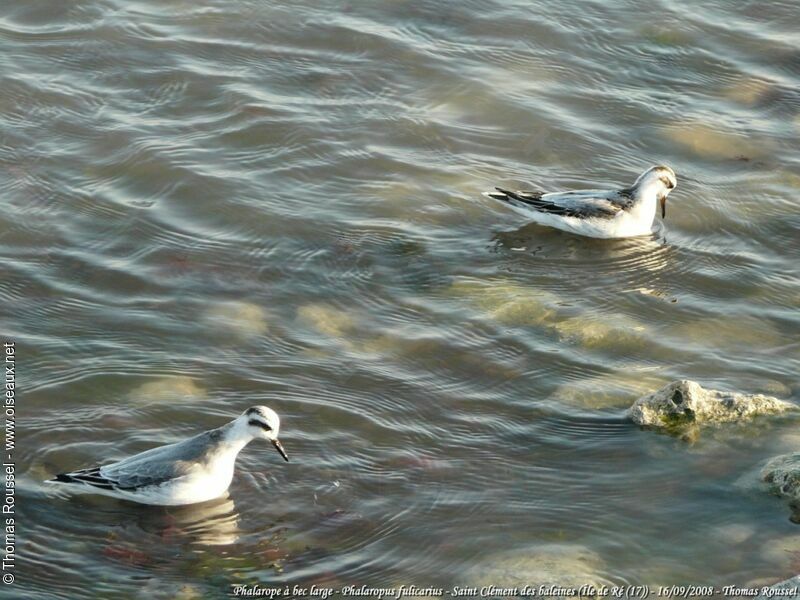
pixel 201 484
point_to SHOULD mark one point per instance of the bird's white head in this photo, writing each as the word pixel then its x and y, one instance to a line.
pixel 263 423
pixel 660 180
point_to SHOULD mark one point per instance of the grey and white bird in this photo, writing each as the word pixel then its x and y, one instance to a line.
pixel 620 213
pixel 194 470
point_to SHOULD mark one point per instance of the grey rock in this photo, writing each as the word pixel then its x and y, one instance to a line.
pixel 782 474
pixel 787 586
pixel 683 403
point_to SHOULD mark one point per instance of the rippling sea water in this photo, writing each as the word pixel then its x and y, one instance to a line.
pixel 209 205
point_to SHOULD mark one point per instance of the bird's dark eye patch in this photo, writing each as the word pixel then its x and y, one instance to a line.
pixel 666 182
pixel 257 423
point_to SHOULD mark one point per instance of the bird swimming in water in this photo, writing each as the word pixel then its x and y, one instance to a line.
pixel 620 213
pixel 194 470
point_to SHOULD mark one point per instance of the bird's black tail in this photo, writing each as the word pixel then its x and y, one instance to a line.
pixel 501 194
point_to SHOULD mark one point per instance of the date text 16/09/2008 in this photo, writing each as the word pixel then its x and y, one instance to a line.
pixel 727 591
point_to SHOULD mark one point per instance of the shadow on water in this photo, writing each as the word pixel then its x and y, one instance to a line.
pixel 567 261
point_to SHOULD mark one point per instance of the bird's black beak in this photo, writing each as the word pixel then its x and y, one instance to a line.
pixel 279 448
pixel 663 201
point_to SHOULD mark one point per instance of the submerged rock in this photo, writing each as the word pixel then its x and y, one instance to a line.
pixel 783 553
pixel 782 474
pixel 156 589
pixel 177 387
pixel 727 332
pixel 788 585
pixel 610 332
pixel 685 402
pixel 713 143
pixel 513 304
pixel 242 319
pixel 610 390
pixel 750 91
pixel 664 35
pixel 735 533
pixel 565 565
pixel 506 301
pixel 325 319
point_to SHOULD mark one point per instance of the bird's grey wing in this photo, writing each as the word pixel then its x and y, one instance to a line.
pixel 147 474
pixel 152 467
pixel 582 204
pixel 161 464
pixel 123 479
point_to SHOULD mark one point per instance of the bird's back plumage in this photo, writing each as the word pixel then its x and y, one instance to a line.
pixel 582 204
